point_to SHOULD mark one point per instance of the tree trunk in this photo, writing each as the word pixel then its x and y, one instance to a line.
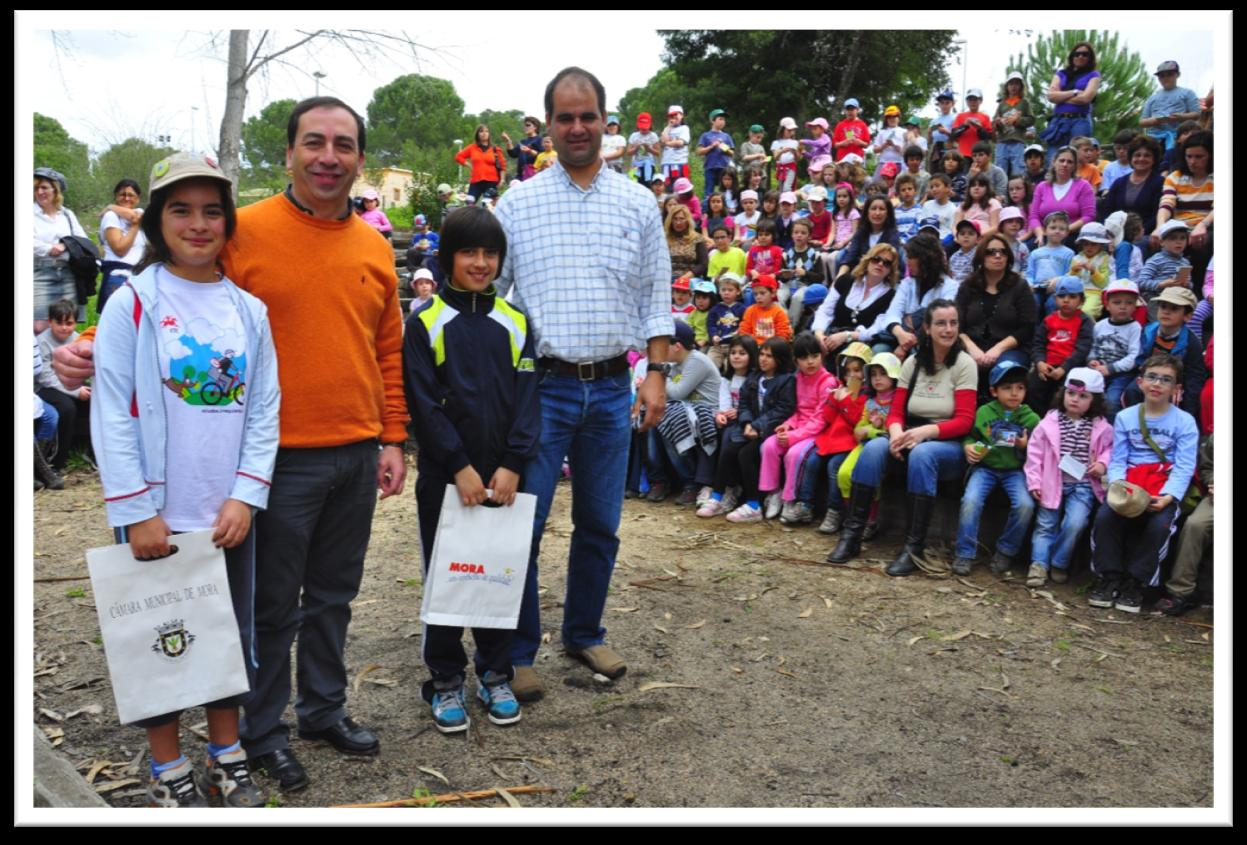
pixel 235 105
pixel 849 69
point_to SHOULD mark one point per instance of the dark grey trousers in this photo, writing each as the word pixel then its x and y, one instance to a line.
pixel 310 551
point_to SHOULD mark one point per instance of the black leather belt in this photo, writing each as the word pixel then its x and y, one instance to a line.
pixel 586 370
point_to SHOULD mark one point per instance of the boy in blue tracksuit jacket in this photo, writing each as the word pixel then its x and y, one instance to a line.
pixel 471 385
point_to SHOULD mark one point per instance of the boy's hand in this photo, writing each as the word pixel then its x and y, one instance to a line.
pixel 972 454
pixel 504 484
pixel 1045 369
pixel 1057 373
pixel 232 524
pixel 1021 442
pixel 149 539
pixel 84 393
pixel 471 489
pixel 1159 503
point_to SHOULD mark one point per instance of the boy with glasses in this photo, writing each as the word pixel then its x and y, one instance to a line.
pixel 1154 453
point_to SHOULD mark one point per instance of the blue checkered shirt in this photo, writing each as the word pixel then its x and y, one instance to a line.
pixel 591 267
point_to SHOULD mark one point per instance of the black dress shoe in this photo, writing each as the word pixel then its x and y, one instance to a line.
pixel 347 737
pixel 282 766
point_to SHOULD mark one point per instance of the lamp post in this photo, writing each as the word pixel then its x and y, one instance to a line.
pixel 319 76
pixel 965 59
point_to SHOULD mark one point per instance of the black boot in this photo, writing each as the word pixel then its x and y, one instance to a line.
pixel 861 496
pixel 920 509
pixel 45 472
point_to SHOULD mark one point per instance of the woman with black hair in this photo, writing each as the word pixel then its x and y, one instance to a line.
pixel 122 238
pixel 927 281
pixel 997 309
pixel 878 225
pixel 933 409
pixel 1073 90
pixel 488 166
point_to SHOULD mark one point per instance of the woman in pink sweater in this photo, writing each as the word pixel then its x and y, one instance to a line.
pixel 794 437
pixel 1061 191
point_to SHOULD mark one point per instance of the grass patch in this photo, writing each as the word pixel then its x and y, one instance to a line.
pixel 75 592
pixel 423 792
pixel 1105 690
pixel 578 793
pixel 1061 645
pixel 274 800
pixel 602 702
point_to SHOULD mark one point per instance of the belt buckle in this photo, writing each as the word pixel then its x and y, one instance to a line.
pixel 586 367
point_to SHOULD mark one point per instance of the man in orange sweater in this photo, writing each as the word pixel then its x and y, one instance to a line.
pixel 331 292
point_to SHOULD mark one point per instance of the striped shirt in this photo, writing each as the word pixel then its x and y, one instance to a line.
pixel 1076 437
pixel 1161 267
pixel 589 266
pixel 1189 203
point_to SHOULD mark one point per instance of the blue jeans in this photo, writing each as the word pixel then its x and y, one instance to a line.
pixel 588 421
pixel 809 478
pixel 1009 158
pixel 928 464
pixel 982 481
pixel 1114 387
pixel 1054 539
pixel 45 426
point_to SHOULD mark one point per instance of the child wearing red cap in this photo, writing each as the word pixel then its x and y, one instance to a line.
pixel 765 319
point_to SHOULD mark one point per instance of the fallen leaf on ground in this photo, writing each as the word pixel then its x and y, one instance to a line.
pixel 652 685
pixel 826 601
pixel 667 616
pixel 98 767
pixel 696 624
pixel 201 731
pixel 359 679
pixel 362 603
pixel 507 796
pixel 785 672
pixel 433 773
pixel 738 670
pixel 89 710
pixel 672 574
pixel 1005 679
pixel 913 640
pixel 1056 663
pixel 116 784
pixel 545 638
pixel 382 682
pixel 51 714
pixel 661 628
pixel 805 614
pixel 957 637
pixel 625 610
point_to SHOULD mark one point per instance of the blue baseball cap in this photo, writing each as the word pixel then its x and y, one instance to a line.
pixel 852 103
pixel 684 335
pixel 946 94
pixel 998 371
pixel 1068 285
pixel 930 222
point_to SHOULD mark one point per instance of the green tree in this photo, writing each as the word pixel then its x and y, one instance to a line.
pixel 416 108
pixel 133 158
pixel 264 136
pixel 1124 85
pixel 55 148
pixel 760 76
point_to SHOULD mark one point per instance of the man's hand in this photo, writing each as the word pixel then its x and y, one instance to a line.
pixel 74 363
pixel 471 489
pixel 504 484
pixel 149 539
pixel 391 471
pixel 232 524
pixel 653 395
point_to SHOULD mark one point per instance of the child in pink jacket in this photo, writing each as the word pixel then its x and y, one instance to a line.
pixel 1066 460
pixel 794 437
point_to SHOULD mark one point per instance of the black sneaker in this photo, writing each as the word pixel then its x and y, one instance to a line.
pixel 657 492
pixel 1129 596
pixel 1102 592
pixel 687 496
pixel 1171 605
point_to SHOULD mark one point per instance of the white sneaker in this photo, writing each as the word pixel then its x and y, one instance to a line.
pixel 1037 576
pixel 773 505
pixel 796 513
pixel 731 498
pixel 745 513
pixel 703 495
pixel 712 508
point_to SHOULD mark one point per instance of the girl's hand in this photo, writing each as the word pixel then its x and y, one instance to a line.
pixel 149 539
pixel 504 484
pixel 750 432
pixel 720 419
pixel 232 524
pixel 862 434
pixel 471 488
pixel 896 445
pixel 877 419
pixel 840 393
pixel 730 413
pixel 1097 470
pixel 782 437
pixel 1036 495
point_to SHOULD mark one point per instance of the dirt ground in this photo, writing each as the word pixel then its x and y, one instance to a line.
pixel 801 685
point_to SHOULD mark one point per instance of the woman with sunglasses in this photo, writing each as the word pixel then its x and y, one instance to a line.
pixel 857 304
pixel 1072 91
pixel 997 310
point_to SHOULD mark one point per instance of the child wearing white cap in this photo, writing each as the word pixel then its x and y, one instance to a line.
pixel 1093 265
pixel 1066 459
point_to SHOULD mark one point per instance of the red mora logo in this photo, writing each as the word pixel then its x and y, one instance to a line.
pixel 473 568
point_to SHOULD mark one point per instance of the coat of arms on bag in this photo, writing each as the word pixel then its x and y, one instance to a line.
pixel 173 640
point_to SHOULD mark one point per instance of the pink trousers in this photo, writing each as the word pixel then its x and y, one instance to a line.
pixel 792 457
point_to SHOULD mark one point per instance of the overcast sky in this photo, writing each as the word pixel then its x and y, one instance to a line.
pixel 122 75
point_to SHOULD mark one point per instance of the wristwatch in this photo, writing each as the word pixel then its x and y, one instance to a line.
pixel 402 444
pixel 665 369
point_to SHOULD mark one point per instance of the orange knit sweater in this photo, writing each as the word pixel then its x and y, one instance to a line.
pixel 332 299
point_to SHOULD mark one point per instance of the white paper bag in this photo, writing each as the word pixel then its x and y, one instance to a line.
pixel 480 559
pixel 169 629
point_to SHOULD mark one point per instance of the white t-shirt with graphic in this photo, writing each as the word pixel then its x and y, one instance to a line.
pixel 203 352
